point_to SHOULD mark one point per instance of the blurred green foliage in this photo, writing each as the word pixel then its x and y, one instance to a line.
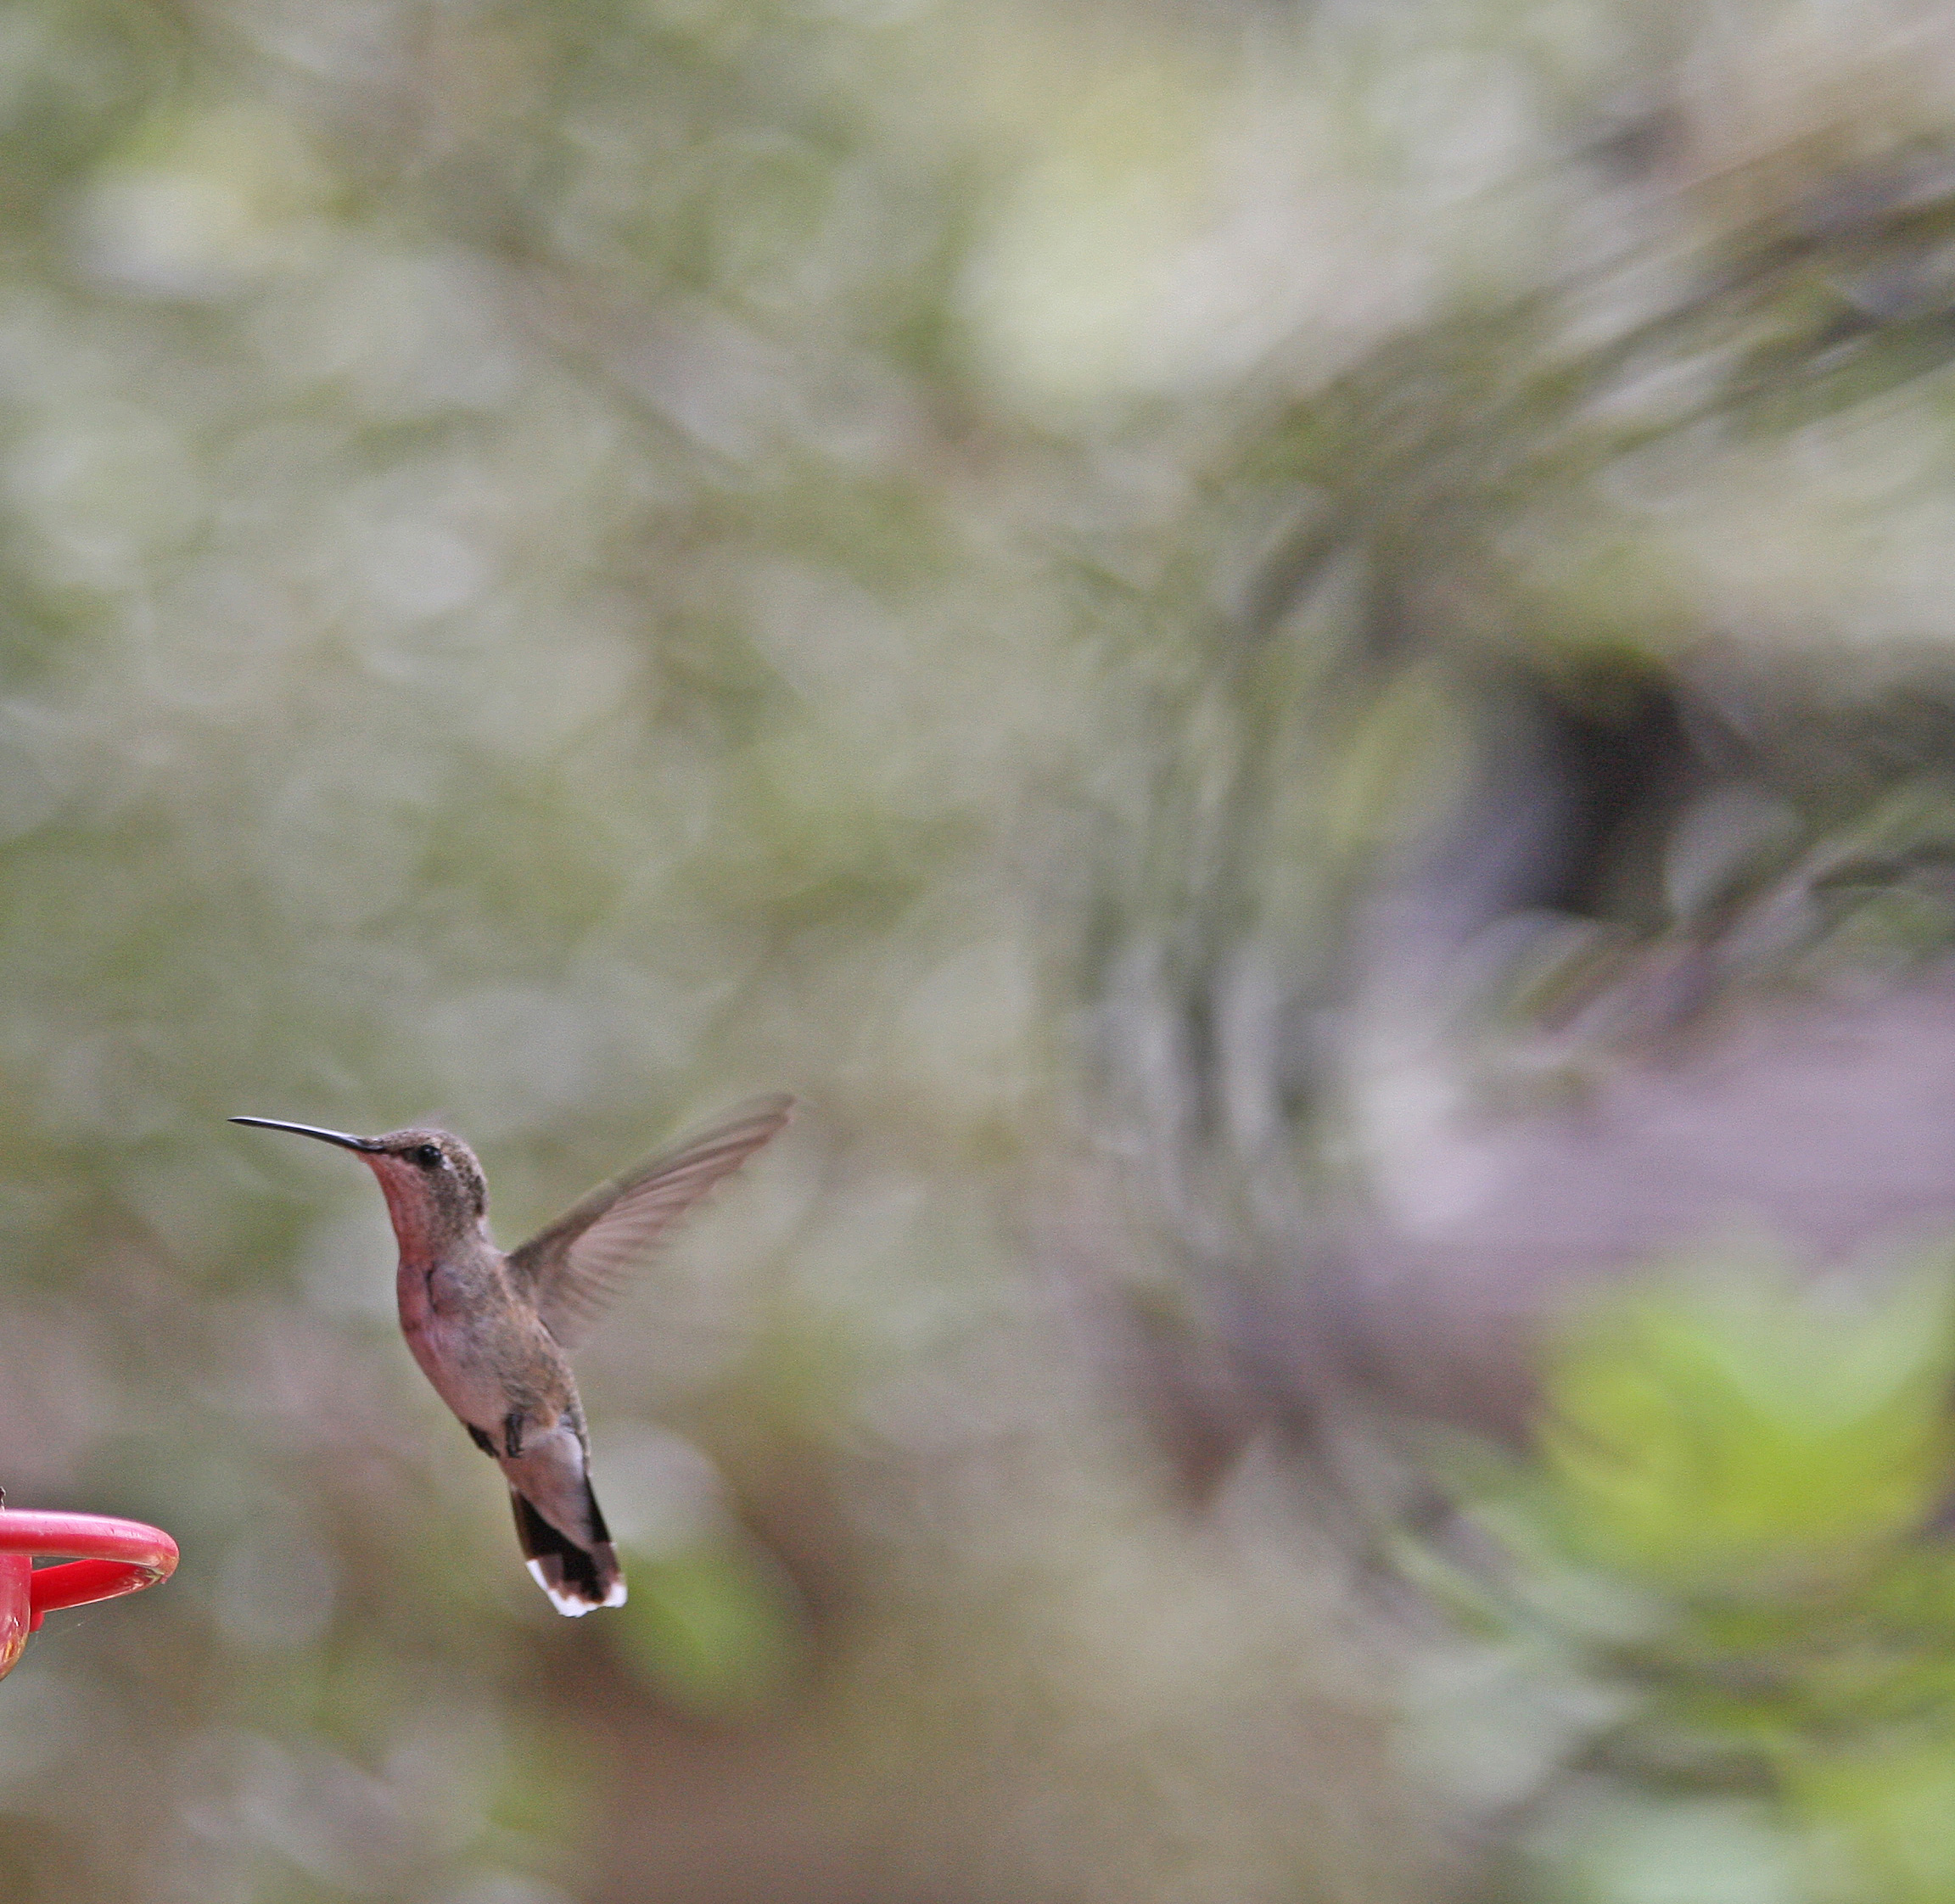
pixel 716 1627
pixel 1724 1561
pixel 1707 1450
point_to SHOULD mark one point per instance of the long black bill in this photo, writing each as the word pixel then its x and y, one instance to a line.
pixel 338 1137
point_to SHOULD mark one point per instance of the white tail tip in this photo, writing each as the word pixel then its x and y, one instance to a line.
pixel 571 1604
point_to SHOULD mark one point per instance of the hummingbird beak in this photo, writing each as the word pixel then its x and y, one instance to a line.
pixel 338 1137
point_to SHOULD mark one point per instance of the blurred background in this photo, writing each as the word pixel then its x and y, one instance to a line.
pixel 1293 660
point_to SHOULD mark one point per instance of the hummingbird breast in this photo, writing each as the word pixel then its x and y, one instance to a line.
pixel 487 1355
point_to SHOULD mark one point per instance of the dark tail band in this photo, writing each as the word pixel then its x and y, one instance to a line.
pixel 577 1578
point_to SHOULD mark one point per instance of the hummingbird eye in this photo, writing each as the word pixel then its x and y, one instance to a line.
pixel 427 1154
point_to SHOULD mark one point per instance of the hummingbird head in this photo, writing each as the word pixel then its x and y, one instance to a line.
pixel 435 1188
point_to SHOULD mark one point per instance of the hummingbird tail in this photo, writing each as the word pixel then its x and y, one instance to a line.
pixel 577 1577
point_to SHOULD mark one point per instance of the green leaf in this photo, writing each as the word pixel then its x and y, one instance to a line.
pixel 1881 1818
pixel 1735 1434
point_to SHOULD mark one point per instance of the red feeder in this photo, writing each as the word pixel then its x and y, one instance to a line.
pixel 108 1558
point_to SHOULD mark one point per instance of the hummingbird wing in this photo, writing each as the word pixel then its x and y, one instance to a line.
pixel 571 1268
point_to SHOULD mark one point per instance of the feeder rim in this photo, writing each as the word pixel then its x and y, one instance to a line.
pixel 104 1556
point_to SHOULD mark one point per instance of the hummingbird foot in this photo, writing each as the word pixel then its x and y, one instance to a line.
pixel 480 1440
pixel 577 1579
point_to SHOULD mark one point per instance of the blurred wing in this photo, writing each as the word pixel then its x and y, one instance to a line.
pixel 575 1266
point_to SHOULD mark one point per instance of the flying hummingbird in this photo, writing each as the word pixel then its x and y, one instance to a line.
pixel 490 1329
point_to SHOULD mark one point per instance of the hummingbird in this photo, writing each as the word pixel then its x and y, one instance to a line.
pixel 490 1329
